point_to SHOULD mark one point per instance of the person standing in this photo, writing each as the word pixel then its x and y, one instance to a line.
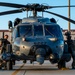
pixel 71 47
pixel 3 43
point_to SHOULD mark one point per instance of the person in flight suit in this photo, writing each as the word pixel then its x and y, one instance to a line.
pixel 4 43
pixel 3 47
pixel 6 39
pixel 71 47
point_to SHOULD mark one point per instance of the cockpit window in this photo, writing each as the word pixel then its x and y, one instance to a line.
pixel 53 31
pixel 25 30
pixel 38 30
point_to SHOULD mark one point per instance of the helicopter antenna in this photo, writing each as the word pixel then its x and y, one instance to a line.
pixel 69 15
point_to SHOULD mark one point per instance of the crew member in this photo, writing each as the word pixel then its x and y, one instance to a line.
pixel 6 39
pixel 3 47
pixel 4 43
pixel 71 47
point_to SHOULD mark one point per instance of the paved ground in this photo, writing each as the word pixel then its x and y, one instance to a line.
pixel 35 69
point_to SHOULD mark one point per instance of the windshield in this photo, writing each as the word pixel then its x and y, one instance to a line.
pixel 25 30
pixel 53 30
pixel 38 30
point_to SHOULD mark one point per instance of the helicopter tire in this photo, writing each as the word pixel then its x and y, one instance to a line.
pixel 9 65
pixel 61 64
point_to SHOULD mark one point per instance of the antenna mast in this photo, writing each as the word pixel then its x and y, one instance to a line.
pixel 69 15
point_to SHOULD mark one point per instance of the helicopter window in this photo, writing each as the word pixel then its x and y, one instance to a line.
pixel 25 30
pixel 53 30
pixel 15 34
pixel 38 30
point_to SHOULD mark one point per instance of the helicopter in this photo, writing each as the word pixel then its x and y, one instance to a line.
pixel 35 38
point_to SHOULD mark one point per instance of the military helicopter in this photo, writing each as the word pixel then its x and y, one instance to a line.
pixel 35 38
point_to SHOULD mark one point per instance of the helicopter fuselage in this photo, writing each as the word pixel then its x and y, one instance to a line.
pixel 37 40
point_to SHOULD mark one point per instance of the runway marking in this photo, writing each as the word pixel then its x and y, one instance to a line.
pixel 14 73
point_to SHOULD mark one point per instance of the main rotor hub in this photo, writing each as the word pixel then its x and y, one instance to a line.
pixel 35 8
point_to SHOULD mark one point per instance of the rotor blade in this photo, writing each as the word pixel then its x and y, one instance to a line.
pixel 65 18
pixel 11 5
pixel 10 12
pixel 60 6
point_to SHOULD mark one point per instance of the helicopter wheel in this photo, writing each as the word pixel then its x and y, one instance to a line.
pixel 61 64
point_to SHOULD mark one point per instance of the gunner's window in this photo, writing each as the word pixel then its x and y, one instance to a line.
pixel 25 30
pixel 53 30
